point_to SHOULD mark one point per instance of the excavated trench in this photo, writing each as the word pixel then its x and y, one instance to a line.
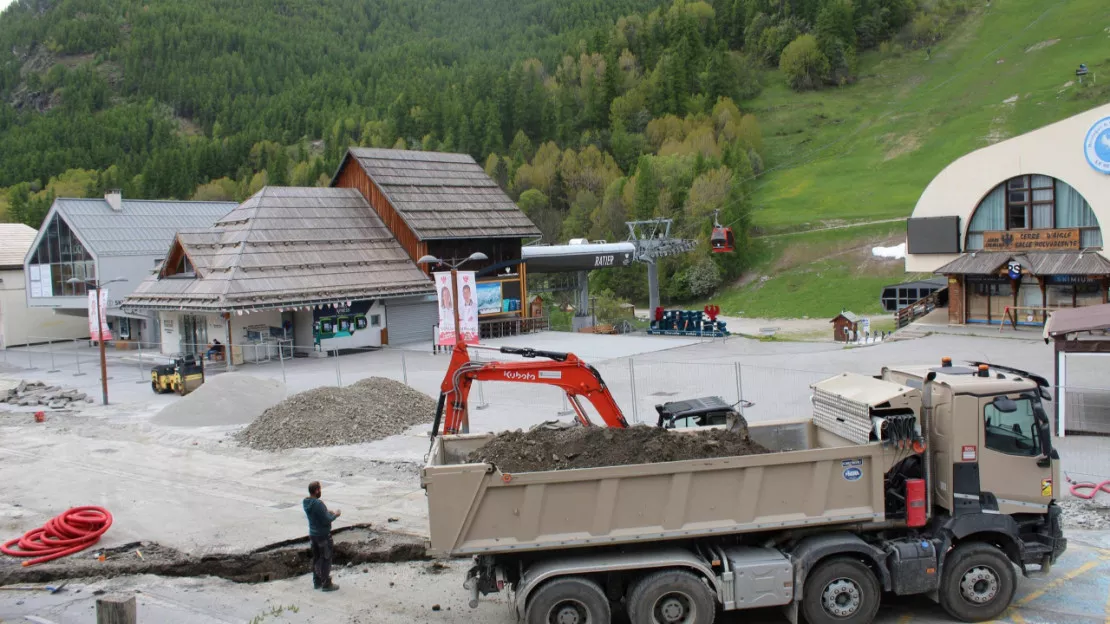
pixel 356 544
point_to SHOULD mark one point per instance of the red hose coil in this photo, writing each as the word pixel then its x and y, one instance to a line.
pixel 73 531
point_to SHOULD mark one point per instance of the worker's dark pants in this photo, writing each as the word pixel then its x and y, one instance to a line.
pixel 321 560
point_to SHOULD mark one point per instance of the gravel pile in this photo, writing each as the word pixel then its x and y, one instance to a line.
pixel 1086 514
pixel 224 399
pixel 590 447
pixel 368 410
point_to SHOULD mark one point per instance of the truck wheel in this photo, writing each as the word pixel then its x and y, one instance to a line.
pixel 977 583
pixel 569 600
pixel 844 591
pixel 671 597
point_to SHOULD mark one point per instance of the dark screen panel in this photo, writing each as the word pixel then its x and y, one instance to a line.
pixel 933 235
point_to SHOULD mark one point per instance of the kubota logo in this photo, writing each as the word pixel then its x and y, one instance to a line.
pixel 518 376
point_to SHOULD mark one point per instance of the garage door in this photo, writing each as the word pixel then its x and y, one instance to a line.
pixel 409 322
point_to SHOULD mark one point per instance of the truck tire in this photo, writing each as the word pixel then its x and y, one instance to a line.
pixel 568 600
pixel 977 583
pixel 841 591
pixel 671 597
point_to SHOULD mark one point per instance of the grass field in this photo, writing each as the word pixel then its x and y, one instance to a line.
pixel 818 274
pixel 866 151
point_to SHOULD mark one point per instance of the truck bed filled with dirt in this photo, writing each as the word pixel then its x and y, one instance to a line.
pixel 546 490
pixel 591 447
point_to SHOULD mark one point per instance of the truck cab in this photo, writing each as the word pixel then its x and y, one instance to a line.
pixel 990 461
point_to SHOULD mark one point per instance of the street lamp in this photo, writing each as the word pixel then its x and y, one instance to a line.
pixel 477 256
pixel 97 285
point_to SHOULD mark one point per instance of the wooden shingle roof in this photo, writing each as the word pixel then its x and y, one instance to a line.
pixel 286 246
pixel 441 195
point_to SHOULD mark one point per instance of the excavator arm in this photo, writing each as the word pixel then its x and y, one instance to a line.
pixel 563 370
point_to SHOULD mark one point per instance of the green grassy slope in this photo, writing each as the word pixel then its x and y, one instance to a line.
pixel 866 151
pixel 818 274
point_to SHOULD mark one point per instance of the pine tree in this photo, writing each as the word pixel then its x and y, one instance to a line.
pixel 647 190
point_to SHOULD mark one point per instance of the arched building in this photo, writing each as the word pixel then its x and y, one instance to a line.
pixel 1019 228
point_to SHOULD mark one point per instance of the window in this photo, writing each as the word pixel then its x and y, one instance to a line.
pixel 1012 433
pixel 1033 202
pixel 61 257
pixel 375 320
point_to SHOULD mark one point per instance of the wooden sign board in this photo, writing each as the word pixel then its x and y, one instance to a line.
pixel 1032 240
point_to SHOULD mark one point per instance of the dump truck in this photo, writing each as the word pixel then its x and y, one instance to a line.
pixel 935 480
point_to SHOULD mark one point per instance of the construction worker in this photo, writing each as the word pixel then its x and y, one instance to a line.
pixel 319 535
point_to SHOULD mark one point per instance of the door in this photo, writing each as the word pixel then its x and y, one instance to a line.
pixel 409 322
pixel 194 335
pixel 1010 456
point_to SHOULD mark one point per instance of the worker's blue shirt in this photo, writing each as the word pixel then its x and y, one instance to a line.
pixel 319 518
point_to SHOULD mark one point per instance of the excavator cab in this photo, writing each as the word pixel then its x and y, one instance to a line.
pixel 722 239
pixel 703 412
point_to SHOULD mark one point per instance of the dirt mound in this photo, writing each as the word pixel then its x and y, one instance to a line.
pixel 365 411
pixel 356 544
pixel 224 399
pixel 591 447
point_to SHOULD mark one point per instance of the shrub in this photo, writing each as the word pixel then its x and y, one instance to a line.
pixel 804 64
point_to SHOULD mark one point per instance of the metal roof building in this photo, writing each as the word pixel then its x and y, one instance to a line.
pixel 18 323
pixel 289 268
pixel 107 238
pixel 283 247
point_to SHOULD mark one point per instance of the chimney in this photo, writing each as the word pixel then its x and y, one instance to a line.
pixel 114 197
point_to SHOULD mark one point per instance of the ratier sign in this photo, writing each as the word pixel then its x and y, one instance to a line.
pixel 1032 240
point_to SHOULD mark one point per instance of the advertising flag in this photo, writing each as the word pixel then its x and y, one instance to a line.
pixel 444 298
pixel 102 332
pixel 468 307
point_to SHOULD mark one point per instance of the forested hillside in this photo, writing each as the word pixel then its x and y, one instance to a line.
pixel 588 112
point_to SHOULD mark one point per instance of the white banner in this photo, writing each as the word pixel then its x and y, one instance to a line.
pixel 468 307
pixel 444 298
pixel 102 332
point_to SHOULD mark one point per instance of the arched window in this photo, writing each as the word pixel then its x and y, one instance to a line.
pixel 1033 202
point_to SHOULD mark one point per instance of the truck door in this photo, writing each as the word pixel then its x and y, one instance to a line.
pixel 1011 468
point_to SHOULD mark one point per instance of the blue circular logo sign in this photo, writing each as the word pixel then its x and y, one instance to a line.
pixel 1097 146
pixel 853 474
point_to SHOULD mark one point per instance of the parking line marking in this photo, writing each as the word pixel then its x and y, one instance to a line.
pixel 1083 569
pixel 1016 617
pixel 905 619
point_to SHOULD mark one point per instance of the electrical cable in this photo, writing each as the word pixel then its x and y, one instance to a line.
pixel 72 531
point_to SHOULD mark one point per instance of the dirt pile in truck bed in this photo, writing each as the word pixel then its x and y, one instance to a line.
pixel 591 447
pixel 365 411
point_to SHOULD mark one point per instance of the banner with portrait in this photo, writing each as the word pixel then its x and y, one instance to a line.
pixel 468 307
pixel 445 302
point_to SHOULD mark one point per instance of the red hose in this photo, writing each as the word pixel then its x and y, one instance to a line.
pixel 1094 488
pixel 73 531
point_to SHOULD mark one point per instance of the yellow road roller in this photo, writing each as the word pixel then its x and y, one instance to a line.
pixel 183 376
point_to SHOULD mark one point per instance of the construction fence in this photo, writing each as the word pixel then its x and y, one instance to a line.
pixel 637 383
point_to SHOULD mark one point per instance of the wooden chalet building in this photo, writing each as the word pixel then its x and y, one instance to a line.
pixel 444 205
pixel 325 269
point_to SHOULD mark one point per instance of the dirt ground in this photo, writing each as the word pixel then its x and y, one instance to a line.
pixel 590 447
pixel 353 545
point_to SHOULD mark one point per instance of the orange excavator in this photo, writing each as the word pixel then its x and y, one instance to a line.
pixel 566 371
